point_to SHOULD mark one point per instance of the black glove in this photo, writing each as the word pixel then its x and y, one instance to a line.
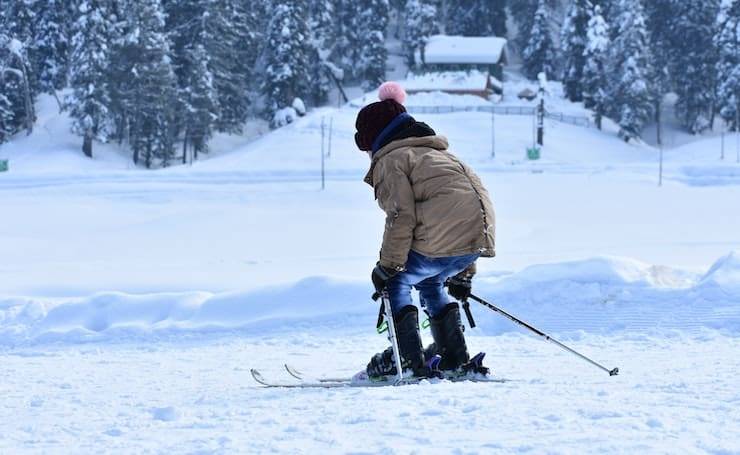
pixel 380 277
pixel 459 287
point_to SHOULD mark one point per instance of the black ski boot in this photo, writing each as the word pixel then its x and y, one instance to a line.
pixel 409 345
pixel 449 342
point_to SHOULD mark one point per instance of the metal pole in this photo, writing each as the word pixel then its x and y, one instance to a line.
pixel 612 372
pixel 392 336
pixel 323 181
pixel 722 152
pixel 331 133
pixel 660 167
pixel 493 132
pixel 737 132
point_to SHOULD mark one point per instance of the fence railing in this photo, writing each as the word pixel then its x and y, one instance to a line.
pixel 578 120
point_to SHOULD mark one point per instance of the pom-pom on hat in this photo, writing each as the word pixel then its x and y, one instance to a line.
pixel 392 91
pixel 374 117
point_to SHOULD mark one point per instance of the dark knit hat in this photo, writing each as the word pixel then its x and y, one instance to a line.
pixel 375 117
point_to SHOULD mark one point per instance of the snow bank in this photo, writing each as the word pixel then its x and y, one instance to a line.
pixel 595 295
pixel 725 274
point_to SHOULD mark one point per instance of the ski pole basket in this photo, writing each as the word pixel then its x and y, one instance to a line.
pixel 3 165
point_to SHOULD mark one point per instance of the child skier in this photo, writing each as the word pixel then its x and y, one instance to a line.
pixel 439 220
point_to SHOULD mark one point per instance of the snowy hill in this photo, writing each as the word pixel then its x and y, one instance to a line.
pixel 162 288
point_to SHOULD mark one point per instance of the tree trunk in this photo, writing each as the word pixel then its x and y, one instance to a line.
pixel 30 114
pixel 87 144
pixel 185 148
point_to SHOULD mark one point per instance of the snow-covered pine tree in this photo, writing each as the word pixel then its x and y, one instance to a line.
pixel 573 43
pixel 321 28
pixel 727 41
pixel 286 56
pixel 89 102
pixel 51 44
pixel 7 128
pixel 15 86
pixel 348 44
pixel 539 54
pixel 631 96
pixel 476 17
pixel 596 58
pixel 420 23
pixel 149 94
pixel 663 38
pixel 523 13
pixel 244 36
pixel 696 59
pixel 200 102
pixel 221 38
pixel 373 54
pixel 7 117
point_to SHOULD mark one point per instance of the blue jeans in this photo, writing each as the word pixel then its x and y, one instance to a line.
pixel 428 276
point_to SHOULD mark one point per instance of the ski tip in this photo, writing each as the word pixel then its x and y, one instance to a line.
pixel 614 372
pixel 292 371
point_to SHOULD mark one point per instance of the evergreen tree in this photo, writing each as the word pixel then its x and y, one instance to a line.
pixel 696 57
pixel 420 23
pixel 664 39
pixel 523 12
pixel 89 102
pixel 373 54
pixel 349 44
pixel 149 94
pixel 727 41
pixel 200 102
pixel 323 39
pixel 596 59
pixel 631 97
pixel 51 45
pixel 476 17
pixel 7 128
pixel 286 75
pixel 538 56
pixel 16 91
pixel 574 38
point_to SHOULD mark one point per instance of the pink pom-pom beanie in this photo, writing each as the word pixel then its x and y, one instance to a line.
pixel 376 117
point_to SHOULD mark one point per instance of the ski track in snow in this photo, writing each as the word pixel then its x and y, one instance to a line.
pixel 675 394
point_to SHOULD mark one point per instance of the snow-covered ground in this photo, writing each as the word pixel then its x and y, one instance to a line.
pixel 676 394
pixel 134 302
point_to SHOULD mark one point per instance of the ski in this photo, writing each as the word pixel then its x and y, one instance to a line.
pixel 361 380
pixel 301 377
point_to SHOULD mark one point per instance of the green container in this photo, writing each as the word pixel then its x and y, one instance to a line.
pixel 3 165
pixel 533 153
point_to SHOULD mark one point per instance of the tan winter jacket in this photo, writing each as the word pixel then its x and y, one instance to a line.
pixel 434 203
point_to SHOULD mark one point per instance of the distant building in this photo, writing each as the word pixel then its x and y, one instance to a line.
pixel 471 65
pixel 473 82
pixel 446 53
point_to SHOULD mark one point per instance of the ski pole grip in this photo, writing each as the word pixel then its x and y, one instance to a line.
pixel 376 296
pixel 381 313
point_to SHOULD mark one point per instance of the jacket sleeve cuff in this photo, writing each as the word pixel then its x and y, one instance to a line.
pixel 392 265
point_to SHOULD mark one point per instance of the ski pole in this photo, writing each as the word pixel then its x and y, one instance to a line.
pixel 612 372
pixel 387 311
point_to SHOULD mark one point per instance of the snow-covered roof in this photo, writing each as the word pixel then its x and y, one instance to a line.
pixel 475 50
pixel 446 81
